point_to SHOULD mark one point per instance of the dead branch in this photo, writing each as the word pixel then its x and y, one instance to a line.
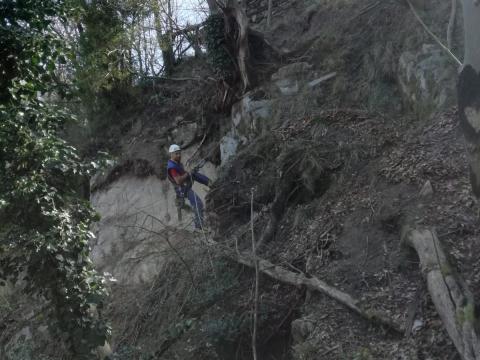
pixel 452 299
pixel 315 284
pixel 174 249
pixel 435 37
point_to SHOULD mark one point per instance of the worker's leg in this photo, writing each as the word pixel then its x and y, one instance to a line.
pixel 202 179
pixel 197 206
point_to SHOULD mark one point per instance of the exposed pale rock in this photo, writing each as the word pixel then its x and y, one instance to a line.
pixel 250 117
pixel 131 208
pixel 427 79
pixel 228 147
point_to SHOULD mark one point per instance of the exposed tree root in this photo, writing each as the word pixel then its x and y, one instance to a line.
pixel 282 191
pixel 237 22
pixel 453 301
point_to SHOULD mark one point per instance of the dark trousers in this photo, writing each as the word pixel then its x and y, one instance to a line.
pixel 194 200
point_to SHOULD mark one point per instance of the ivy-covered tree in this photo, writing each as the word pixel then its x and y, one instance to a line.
pixel 44 222
pixel 104 59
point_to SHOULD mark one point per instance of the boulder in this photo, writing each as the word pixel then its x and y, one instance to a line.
pixel 301 329
pixel 228 147
pixel 250 117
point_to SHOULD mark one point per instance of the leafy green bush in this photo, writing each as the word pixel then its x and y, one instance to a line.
pixel 44 221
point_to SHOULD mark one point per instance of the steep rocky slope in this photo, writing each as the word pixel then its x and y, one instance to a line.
pixel 351 137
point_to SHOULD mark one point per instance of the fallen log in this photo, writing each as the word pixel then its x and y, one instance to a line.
pixel 301 280
pixel 315 284
pixel 453 301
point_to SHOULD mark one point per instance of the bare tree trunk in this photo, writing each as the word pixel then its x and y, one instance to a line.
pixel 193 39
pixel 234 12
pixel 136 44
pixel 269 14
pixel 164 39
pixel 145 51
pixel 469 90
pixel 213 7
pixel 471 15
pixel 453 301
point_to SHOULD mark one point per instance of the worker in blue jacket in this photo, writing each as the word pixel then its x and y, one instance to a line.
pixel 183 182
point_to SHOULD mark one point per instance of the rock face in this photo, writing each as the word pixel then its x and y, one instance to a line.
pixel 427 79
pixel 258 112
pixel 139 224
pixel 289 79
pixel 250 116
pixel 228 147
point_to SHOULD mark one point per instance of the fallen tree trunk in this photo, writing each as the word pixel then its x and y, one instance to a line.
pixel 312 283
pixel 453 301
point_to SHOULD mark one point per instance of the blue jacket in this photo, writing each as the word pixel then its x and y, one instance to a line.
pixel 187 185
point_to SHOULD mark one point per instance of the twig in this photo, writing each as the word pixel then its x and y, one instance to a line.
pixel 198 148
pixel 182 260
pixel 435 37
pixel 255 301
pixel 366 253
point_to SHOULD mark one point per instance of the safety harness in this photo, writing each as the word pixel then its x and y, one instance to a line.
pixel 180 190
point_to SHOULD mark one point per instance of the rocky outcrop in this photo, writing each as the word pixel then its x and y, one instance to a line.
pixel 139 226
pixel 427 79
pixel 250 117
